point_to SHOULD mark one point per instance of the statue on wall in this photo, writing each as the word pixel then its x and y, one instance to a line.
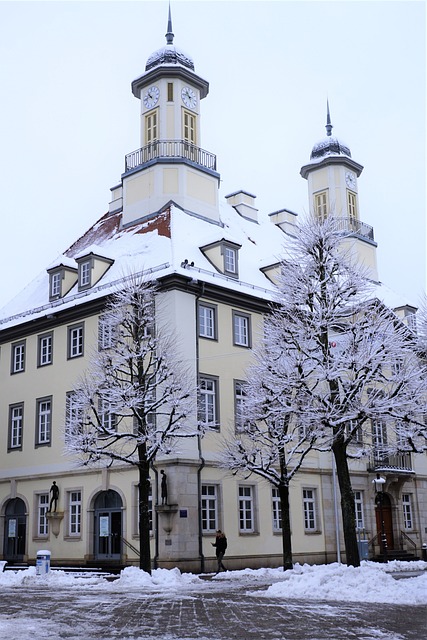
pixel 54 490
pixel 164 487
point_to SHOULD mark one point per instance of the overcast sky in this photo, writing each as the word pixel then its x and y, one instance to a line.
pixel 68 117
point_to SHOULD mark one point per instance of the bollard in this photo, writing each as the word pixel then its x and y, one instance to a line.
pixel 424 552
pixel 43 563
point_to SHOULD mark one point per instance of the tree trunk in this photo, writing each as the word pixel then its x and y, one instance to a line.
pixel 347 504
pixel 286 526
pixel 144 513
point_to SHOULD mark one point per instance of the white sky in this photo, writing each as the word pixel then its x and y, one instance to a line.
pixel 68 117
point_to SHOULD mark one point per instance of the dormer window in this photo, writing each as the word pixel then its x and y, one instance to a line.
pixel 92 266
pixel 224 255
pixel 62 278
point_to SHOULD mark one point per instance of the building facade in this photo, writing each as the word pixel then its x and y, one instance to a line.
pixel 215 261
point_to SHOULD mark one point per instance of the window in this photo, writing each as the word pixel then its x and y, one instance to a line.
pixel 358 505
pixel 84 274
pixel 45 346
pixel 107 417
pixel 241 329
pixel 277 511
pixel 42 509
pixel 246 509
pixel 73 415
pixel 75 341
pixel 209 508
pixel 309 507
pixel 170 91
pixel 379 438
pixel 230 260
pixel 74 513
pixel 16 423
pixel 43 421
pixel 321 205
pixel 18 357
pixel 189 127
pixel 207 321
pixel 208 402
pixel 351 204
pixel 239 404
pixel 107 333
pixel 55 284
pixel 151 127
pixel 150 508
pixel 357 437
pixel 407 511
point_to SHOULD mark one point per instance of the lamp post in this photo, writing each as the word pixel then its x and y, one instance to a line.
pixel 378 483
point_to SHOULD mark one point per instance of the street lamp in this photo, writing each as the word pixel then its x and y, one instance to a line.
pixel 379 483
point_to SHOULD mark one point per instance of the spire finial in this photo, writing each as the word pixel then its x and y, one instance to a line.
pixel 169 35
pixel 328 120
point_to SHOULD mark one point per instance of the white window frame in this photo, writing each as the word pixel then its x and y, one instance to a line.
pixel 240 417
pixel 45 349
pixel 408 520
pixel 74 513
pixel 207 314
pixel 16 425
pixel 76 341
pixel 379 438
pixel 241 329
pixel 44 421
pixel 359 509
pixel 85 272
pixel 150 509
pixel 42 526
pixel 310 517
pixel 56 284
pixel 209 508
pixel 107 417
pixel 276 509
pixel 230 260
pixel 107 332
pixel 246 508
pixel 208 401
pixel 18 357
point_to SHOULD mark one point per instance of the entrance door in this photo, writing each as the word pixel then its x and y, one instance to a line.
pixel 108 526
pixel 15 531
pixel 383 514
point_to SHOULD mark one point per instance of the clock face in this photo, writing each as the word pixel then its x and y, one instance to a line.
pixel 350 180
pixel 151 97
pixel 189 97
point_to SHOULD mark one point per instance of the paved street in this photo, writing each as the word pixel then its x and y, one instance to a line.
pixel 218 610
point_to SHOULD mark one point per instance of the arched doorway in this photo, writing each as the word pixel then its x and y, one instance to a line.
pixel 15 530
pixel 108 525
pixel 383 514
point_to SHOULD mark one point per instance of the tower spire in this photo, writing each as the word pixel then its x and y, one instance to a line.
pixel 328 120
pixel 169 34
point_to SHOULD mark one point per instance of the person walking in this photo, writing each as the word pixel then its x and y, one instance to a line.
pixel 221 545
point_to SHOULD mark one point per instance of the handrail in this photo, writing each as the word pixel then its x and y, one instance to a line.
pixel 404 536
pixel 169 149
pixel 128 544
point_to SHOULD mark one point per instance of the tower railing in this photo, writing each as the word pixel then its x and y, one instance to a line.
pixel 170 150
pixel 355 226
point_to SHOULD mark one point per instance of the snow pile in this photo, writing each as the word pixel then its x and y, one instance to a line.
pixel 368 583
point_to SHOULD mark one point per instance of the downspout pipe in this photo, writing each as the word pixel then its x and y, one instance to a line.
pixel 199 443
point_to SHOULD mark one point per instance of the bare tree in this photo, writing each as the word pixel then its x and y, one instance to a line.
pixel 135 400
pixel 325 372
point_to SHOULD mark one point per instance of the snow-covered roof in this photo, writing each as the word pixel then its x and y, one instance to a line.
pixel 167 55
pixel 330 146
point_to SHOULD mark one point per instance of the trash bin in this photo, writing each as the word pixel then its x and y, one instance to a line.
pixel 42 563
pixel 424 552
pixel 363 549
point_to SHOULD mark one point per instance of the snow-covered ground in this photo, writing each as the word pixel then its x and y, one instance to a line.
pixel 371 582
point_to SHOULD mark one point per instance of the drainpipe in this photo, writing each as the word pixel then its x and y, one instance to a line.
pixel 156 524
pixel 337 530
pixel 199 445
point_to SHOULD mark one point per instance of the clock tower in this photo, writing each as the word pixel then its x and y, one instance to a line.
pixel 170 164
pixel 332 176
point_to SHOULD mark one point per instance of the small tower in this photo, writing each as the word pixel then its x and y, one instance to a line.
pixel 170 163
pixel 332 176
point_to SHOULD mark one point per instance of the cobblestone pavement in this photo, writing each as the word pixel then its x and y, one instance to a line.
pixel 218 612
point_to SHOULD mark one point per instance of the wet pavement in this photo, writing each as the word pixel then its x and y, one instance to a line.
pixel 219 610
